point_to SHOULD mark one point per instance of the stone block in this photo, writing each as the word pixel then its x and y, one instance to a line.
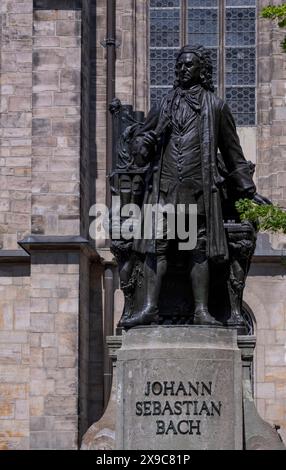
pixel 10 354
pixel 274 355
pixel 60 406
pixel 42 388
pixel 64 440
pixel 20 19
pixel 38 224
pixel 68 28
pixel 41 127
pixel 50 357
pixel 69 227
pixel 73 58
pixel 279 113
pixel 65 127
pixel 36 406
pixel 67 361
pixel 16 430
pixel 48 59
pixel 18 119
pixel 70 80
pixel 19 7
pixel 67 14
pixel 7 411
pixel 22 409
pixel 39 305
pixel 66 423
pixel 4 205
pixel 274 411
pixel 68 305
pixel 275 374
pixel 40 440
pixel 42 323
pixel 68 344
pixel 53 306
pixel 166 368
pixel 45 282
pixel 36 356
pixel 72 111
pixel 13 337
pixel 8 63
pixel 39 372
pixel 35 340
pixel 13 391
pixel 14 374
pixel 6 315
pixel 70 41
pixel 280 391
pixel 265 390
pixel 37 423
pixel 49 340
pixel 64 322
pixel 44 28
pixel 41 100
pixel 19 103
pixel 281 179
pixel 45 81
pixel 67 384
pixel 66 99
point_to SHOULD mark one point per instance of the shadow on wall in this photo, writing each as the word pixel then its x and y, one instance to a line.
pixel 15 270
pixel 57 4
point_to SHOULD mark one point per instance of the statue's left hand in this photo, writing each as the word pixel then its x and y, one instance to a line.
pixel 261 200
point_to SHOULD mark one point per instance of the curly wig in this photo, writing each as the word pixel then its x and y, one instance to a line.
pixel 206 65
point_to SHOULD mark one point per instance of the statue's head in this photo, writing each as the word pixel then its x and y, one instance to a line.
pixel 194 66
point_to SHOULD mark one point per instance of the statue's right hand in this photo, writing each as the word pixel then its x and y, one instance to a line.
pixel 150 139
pixel 145 146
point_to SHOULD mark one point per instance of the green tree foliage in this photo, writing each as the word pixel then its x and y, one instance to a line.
pixel 276 13
pixel 268 217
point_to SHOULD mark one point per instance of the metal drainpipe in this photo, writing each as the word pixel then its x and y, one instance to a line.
pixel 110 44
pixel 108 327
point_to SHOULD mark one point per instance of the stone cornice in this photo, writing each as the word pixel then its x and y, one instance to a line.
pixel 265 253
pixel 34 243
pixel 14 256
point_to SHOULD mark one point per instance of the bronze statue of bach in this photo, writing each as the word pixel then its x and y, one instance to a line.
pixel 191 145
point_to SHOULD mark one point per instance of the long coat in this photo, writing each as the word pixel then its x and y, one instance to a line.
pixel 217 130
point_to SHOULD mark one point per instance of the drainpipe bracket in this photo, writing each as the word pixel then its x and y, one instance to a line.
pixel 110 42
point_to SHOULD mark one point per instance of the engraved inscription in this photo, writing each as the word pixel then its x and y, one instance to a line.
pixel 200 404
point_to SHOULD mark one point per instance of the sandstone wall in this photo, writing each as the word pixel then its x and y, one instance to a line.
pixel 56 122
pixel 40 100
pixel 271 115
pixel 16 121
pixel 265 294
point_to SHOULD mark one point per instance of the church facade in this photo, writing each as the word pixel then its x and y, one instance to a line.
pixel 59 289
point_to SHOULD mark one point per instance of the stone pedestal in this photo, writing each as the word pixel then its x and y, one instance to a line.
pixel 179 388
pixel 101 435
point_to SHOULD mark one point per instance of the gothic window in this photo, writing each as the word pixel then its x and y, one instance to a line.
pixel 250 324
pixel 227 28
pixel 249 319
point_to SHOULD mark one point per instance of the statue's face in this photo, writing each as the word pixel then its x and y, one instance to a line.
pixel 188 68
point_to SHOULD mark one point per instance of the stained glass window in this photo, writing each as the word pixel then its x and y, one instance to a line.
pixel 165 40
pixel 226 28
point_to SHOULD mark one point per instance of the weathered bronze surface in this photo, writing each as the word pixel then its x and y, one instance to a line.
pixel 187 151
